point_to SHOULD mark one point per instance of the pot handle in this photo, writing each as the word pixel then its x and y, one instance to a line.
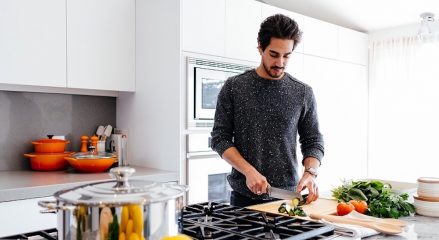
pixel 36 143
pixel 51 206
pixel 29 155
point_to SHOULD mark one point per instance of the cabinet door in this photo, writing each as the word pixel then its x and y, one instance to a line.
pixel 320 38
pixel 268 10
pixel 243 19
pixel 203 26
pixel 341 93
pixel 33 42
pixel 23 216
pixel 101 44
pixel 352 46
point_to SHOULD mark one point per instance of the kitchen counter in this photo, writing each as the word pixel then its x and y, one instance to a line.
pixel 419 227
pixel 17 185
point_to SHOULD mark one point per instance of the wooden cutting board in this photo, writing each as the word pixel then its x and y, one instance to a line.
pixel 320 206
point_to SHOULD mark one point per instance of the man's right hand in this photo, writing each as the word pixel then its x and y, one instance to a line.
pixel 256 182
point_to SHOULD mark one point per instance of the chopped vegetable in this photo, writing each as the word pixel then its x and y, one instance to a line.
pixel 291 210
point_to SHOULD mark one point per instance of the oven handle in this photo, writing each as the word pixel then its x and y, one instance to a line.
pixel 202 154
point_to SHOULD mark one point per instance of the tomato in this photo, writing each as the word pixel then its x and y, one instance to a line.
pixel 344 208
pixel 360 206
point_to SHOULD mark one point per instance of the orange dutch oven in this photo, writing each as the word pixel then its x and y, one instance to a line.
pixel 48 161
pixel 48 145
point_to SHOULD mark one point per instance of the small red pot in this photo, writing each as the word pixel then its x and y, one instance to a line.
pixel 50 145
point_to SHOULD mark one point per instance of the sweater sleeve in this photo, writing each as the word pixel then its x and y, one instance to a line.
pixel 310 138
pixel 222 133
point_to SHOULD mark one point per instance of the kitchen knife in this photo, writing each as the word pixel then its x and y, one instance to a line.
pixel 283 194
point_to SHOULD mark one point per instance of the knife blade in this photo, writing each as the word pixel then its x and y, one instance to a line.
pixel 283 194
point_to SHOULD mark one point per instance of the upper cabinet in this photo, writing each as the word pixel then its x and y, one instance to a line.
pixel 243 19
pixel 352 46
pixel 33 42
pixel 320 38
pixel 73 44
pixel 268 10
pixel 101 44
pixel 203 26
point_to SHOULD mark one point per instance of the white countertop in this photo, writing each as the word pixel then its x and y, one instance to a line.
pixel 16 185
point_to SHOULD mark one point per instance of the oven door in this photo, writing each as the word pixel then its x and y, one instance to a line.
pixel 207 178
pixel 208 83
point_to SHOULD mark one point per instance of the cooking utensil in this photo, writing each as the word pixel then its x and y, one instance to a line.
pixel 282 193
pixel 89 211
pixel 48 161
pixel 100 131
pixel 48 145
pixel 107 132
pixel 379 226
pixel 91 162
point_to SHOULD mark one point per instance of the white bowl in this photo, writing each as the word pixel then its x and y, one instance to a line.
pixel 428 187
pixel 427 206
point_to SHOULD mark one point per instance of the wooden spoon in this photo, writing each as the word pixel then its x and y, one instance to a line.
pixel 379 226
pixel 359 216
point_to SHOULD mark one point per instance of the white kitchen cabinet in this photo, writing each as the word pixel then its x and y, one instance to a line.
pixel 33 42
pixel 295 66
pixel 268 10
pixel 352 46
pixel 202 26
pixel 101 44
pixel 320 38
pixel 340 89
pixel 243 19
pixel 23 216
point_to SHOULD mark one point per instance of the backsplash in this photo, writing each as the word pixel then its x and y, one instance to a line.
pixel 26 116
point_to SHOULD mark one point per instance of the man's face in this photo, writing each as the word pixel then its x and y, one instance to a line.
pixel 276 55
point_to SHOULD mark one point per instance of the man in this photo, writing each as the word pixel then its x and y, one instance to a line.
pixel 258 116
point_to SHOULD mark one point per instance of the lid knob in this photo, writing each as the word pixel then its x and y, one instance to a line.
pixel 122 174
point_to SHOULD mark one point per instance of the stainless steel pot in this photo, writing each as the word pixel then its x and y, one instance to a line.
pixel 136 209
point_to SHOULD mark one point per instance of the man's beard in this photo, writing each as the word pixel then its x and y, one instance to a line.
pixel 267 70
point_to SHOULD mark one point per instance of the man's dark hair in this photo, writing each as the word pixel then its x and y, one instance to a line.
pixel 278 26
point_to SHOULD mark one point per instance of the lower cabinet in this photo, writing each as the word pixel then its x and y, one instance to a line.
pixel 24 216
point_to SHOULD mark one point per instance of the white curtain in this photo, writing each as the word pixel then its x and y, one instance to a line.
pixel 404 108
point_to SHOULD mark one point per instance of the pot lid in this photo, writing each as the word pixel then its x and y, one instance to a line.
pixel 121 191
pixel 93 155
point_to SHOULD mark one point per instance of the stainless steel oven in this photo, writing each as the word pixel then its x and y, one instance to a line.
pixel 206 171
pixel 205 78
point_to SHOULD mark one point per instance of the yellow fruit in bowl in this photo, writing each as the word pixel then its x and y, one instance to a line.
pixel 177 237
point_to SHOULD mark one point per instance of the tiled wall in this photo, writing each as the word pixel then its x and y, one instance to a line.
pixel 25 117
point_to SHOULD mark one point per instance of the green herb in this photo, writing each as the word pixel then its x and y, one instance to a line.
pixel 381 201
pixel 113 229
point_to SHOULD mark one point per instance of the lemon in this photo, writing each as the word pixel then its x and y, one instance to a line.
pixel 177 237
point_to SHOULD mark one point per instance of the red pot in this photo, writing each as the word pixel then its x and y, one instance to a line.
pixel 48 161
pixel 50 145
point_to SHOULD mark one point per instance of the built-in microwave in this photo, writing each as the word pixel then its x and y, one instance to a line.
pixel 205 78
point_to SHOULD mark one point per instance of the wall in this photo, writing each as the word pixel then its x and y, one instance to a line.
pixel 27 116
pixel 152 115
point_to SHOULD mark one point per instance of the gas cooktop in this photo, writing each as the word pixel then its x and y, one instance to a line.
pixel 212 220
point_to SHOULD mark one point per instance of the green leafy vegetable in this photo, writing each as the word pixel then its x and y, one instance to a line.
pixel 382 202
pixel 291 210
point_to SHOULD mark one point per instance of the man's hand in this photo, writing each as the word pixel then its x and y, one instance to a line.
pixel 256 182
pixel 308 181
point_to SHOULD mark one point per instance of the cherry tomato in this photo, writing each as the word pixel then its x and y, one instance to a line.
pixel 360 206
pixel 344 208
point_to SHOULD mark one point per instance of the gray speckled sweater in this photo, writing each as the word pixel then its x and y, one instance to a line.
pixel 261 118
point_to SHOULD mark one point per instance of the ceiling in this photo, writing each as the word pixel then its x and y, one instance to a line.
pixel 362 15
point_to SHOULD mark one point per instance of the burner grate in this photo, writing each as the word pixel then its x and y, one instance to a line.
pixel 212 220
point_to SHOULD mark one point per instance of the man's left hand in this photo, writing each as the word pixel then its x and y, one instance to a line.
pixel 308 181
